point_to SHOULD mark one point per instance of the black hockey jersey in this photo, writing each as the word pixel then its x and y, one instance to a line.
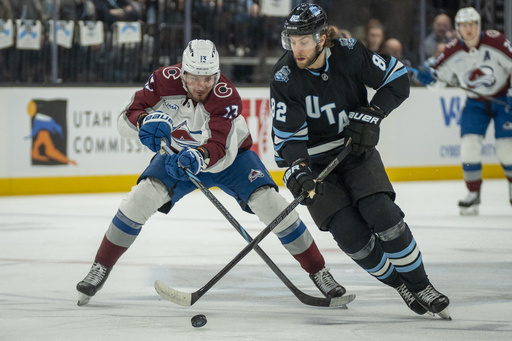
pixel 310 107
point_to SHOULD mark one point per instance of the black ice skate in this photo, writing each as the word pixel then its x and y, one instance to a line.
pixel 410 300
pixel 434 301
pixel 92 283
pixel 326 284
pixel 469 205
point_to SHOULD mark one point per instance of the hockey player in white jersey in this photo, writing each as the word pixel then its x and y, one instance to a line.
pixel 480 61
pixel 198 112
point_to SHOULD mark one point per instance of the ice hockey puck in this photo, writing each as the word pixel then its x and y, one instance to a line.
pixel 198 321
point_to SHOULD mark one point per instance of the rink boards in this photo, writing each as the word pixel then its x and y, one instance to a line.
pixel 65 140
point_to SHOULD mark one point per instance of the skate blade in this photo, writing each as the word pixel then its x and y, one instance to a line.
pixel 445 314
pixel 472 210
pixel 83 299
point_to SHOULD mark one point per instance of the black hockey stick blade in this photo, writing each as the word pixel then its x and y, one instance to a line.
pixel 302 296
pixel 188 299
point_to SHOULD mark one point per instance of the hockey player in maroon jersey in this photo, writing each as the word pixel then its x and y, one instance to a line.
pixel 198 112
pixel 318 101
pixel 480 61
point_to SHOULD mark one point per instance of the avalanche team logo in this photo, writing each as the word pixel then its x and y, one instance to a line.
pixel 183 137
pixel 481 76
pixel 255 173
pixel 282 75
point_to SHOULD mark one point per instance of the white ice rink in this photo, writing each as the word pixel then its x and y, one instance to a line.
pixel 47 244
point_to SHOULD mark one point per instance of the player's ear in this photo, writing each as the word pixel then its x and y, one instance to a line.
pixel 323 38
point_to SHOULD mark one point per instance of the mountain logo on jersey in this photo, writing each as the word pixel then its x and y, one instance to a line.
pixel 255 173
pixel 183 137
pixel 282 75
pixel 481 76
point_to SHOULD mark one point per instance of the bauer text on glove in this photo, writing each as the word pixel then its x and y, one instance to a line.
pixel 364 128
pixel 298 178
pixel 153 128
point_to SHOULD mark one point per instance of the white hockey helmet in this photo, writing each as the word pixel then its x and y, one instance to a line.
pixel 200 58
pixel 468 14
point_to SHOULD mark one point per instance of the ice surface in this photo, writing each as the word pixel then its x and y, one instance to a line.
pixel 47 244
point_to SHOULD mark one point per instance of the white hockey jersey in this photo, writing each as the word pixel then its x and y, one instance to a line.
pixel 485 69
pixel 216 124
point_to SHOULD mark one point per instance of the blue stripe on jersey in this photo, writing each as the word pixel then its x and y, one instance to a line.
pixel 125 224
pixel 391 66
pixel 278 146
pixel 285 134
pixel 507 168
pixel 395 75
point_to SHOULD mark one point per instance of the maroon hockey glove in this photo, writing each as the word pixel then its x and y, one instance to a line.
pixel 364 128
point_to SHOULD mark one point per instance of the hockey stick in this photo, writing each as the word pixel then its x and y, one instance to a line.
pixel 489 98
pixel 188 299
pixel 303 297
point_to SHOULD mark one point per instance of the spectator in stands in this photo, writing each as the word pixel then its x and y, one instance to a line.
pixel 393 47
pixel 117 10
pixel 85 10
pixel 6 10
pixel 442 32
pixel 30 9
pixel 374 35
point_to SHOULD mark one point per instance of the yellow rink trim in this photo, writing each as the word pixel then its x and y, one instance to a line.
pixel 123 183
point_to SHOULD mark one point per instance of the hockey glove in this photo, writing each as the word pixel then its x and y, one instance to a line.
pixel 364 128
pixel 298 179
pixel 425 75
pixel 153 128
pixel 191 159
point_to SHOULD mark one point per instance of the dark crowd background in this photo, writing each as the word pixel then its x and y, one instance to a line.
pixel 248 41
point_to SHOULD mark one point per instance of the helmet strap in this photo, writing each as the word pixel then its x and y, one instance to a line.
pixel 318 53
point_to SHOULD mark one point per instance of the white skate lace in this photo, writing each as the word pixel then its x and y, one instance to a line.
pixel 325 281
pixel 96 274
pixel 406 294
pixel 429 294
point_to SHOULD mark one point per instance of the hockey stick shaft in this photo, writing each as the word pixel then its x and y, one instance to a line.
pixel 303 297
pixel 489 98
pixel 188 299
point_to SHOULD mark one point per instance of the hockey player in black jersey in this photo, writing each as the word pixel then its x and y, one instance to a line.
pixel 319 100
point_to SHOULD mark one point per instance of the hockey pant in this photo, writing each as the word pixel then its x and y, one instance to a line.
pixel 149 195
pixel 376 237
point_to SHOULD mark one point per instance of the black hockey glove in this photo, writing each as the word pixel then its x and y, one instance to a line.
pixel 298 179
pixel 364 128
